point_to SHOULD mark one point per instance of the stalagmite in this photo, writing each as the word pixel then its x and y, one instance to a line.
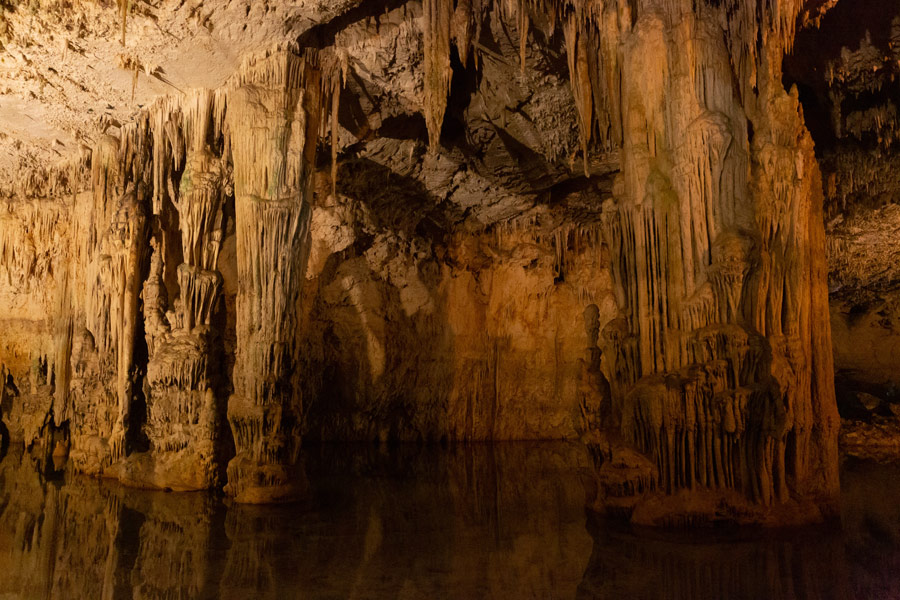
pixel 719 377
pixel 184 417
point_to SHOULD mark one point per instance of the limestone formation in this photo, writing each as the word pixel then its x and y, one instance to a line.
pixel 184 417
pixel 273 120
pixel 849 90
pixel 719 375
pixel 541 219
pixel 138 304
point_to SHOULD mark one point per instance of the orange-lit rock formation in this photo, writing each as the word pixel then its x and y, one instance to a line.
pixel 540 219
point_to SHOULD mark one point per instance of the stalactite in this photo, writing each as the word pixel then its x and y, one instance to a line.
pixel 579 77
pixel 65 325
pixel 717 375
pixel 127 235
pixel 183 422
pixel 523 24
pixel 335 106
pixel 462 26
pixel 438 15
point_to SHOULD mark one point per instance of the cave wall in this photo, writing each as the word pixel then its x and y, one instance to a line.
pixel 35 238
pixel 511 317
pixel 847 71
pixel 416 334
pixel 614 232
pixel 169 313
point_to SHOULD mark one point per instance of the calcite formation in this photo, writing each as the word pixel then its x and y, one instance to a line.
pixel 184 417
pixel 720 374
pixel 273 118
pixel 132 362
pixel 541 219
pixel 849 90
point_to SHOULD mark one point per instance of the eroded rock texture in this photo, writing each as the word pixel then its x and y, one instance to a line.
pixel 538 220
pixel 720 367
pixel 849 90
pixel 273 118
pixel 134 364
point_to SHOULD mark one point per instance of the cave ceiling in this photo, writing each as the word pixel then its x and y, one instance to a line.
pixel 509 140
pixel 70 72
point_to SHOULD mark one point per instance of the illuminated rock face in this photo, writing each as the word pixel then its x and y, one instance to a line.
pixel 273 118
pixel 722 369
pixel 133 360
pixel 623 244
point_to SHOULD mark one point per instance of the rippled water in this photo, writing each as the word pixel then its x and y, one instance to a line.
pixel 483 521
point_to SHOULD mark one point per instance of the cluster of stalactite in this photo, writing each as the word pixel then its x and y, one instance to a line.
pixel 718 372
pixel 719 364
pixel 134 360
pixel 720 376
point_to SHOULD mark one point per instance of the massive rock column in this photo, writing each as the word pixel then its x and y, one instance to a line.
pixel 184 415
pixel 721 359
pixel 108 251
pixel 273 120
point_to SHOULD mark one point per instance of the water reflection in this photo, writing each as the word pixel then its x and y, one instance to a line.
pixel 501 521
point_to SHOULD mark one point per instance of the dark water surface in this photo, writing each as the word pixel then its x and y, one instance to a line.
pixel 483 521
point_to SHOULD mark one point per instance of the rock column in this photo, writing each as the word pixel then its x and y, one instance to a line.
pixel 184 416
pixel 720 379
pixel 273 118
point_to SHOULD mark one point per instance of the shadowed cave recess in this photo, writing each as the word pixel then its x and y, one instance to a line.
pixel 662 230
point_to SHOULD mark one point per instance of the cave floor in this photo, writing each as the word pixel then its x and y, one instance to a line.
pixel 479 521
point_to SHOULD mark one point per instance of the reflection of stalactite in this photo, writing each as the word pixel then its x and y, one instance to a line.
pixel 56 541
pixel 250 568
pixel 714 567
pixel 173 559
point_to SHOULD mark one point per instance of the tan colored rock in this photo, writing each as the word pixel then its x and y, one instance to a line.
pixel 668 306
pixel 273 119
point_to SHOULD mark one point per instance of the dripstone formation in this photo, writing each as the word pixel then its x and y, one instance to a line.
pixel 526 219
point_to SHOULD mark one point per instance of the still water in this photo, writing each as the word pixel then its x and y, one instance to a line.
pixel 483 521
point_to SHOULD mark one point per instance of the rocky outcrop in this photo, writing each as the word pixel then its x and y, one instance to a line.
pixel 505 324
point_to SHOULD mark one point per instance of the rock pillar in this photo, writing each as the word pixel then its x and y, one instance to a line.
pixel 273 120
